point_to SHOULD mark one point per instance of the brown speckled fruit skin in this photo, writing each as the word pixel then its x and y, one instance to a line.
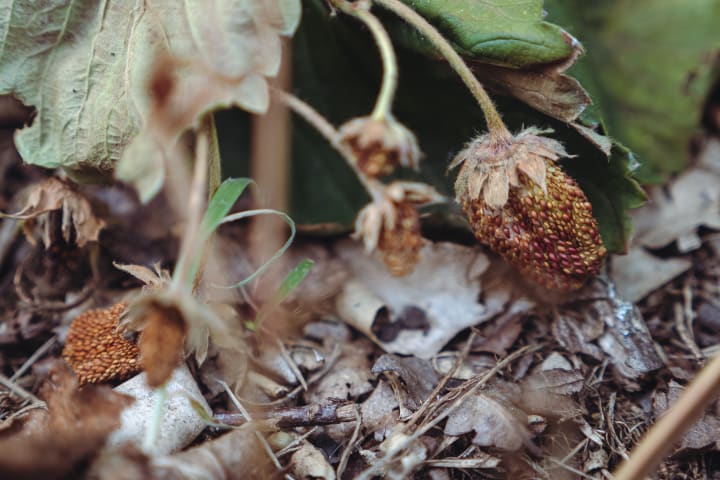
pixel 96 351
pixel 553 239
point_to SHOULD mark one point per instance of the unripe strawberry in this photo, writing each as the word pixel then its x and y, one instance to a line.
pixel 528 210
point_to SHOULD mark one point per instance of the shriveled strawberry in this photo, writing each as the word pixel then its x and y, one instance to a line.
pixel 541 222
pixel 380 146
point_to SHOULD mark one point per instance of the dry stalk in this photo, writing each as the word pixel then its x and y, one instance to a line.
pixel 663 436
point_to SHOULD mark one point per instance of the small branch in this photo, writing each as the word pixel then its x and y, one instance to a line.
pixel 664 435
pixel 383 104
pixel 292 417
pixel 492 117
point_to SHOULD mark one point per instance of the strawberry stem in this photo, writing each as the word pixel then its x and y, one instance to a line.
pixel 495 124
pixel 360 10
pixel 374 188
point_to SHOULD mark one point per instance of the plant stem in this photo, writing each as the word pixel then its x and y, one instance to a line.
pixel 383 104
pixel 189 248
pixel 207 127
pixel 373 187
pixel 673 424
pixel 495 124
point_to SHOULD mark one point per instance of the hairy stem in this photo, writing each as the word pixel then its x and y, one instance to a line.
pixel 383 104
pixel 373 187
pixel 495 124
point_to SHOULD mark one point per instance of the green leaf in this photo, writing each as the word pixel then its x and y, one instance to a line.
pixel 649 68
pixel 276 255
pixel 510 33
pixel 85 65
pixel 222 201
pixel 337 71
pixel 293 279
pixel 290 283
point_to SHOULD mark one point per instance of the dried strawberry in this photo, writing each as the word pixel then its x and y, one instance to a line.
pixel 380 146
pixel 528 210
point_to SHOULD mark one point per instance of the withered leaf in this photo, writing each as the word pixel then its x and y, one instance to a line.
pixel 548 392
pixel 54 443
pixel 412 379
pixel 77 214
pixel 496 422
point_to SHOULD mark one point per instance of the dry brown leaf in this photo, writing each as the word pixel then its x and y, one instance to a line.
pixel 238 455
pixel 577 336
pixel 55 443
pixel 703 432
pixel 692 200
pixel 412 379
pixel 309 462
pixel 626 341
pixel 495 420
pixel 639 273
pixel 549 392
pixel 545 87
pixel 419 313
pixel 378 412
pixel 77 215
pixel 349 378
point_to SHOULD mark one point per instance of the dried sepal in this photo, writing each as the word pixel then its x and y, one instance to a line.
pixel 97 351
pixel 161 342
pixel 491 165
pixel 380 145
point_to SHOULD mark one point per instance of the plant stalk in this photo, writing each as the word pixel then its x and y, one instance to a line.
pixel 383 104
pixel 374 188
pixel 189 248
pixel 677 420
pixel 494 122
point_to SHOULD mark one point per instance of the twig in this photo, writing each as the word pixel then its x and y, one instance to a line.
pixel 33 358
pixel 350 446
pixel 439 387
pixel 291 363
pixel 661 438
pixel 270 168
pixel 18 390
pixel 189 248
pixel 291 417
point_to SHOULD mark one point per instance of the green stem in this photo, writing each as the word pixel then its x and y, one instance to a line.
pixel 495 124
pixel 383 104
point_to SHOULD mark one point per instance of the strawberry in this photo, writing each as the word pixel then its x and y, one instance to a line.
pixel 528 210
